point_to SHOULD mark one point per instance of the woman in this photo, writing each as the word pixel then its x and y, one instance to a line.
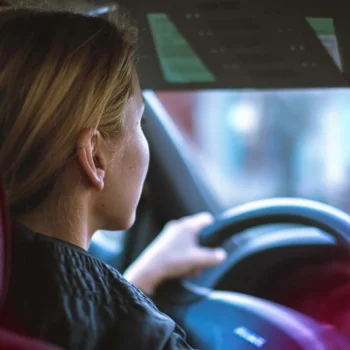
pixel 74 159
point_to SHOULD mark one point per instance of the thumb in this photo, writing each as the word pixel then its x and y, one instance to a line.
pixel 206 257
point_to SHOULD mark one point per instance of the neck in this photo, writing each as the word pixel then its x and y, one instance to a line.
pixel 69 223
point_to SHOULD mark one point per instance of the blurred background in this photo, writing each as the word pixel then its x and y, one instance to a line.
pixel 250 145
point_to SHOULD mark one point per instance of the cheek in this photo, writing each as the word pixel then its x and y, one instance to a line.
pixel 145 153
pixel 140 162
pixel 136 159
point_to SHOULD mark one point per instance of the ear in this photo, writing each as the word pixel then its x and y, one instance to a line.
pixel 91 157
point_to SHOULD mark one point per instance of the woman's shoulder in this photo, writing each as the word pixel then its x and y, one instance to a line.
pixel 56 268
pixel 67 297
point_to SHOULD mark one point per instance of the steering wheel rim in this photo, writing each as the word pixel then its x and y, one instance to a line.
pixel 278 210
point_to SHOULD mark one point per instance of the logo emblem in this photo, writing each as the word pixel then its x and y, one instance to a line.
pixel 250 337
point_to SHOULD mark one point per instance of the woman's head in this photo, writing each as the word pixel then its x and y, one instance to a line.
pixel 70 109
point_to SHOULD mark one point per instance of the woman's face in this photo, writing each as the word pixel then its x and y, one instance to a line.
pixel 126 172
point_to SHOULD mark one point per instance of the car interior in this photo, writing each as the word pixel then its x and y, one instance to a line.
pixel 247 110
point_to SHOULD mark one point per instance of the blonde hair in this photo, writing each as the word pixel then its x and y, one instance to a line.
pixel 60 72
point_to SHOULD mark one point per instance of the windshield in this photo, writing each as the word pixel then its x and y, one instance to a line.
pixel 250 145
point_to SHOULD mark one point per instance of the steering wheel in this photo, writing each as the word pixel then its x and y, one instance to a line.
pixel 227 320
pixel 279 210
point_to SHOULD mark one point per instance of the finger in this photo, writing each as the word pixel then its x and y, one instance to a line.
pixel 199 221
pixel 204 217
pixel 205 257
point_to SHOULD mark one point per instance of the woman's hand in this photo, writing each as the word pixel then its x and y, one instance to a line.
pixel 174 253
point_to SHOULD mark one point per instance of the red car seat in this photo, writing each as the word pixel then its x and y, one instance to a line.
pixel 12 335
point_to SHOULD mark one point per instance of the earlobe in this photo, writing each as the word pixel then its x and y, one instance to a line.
pixel 99 172
pixel 90 163
pixel 101 178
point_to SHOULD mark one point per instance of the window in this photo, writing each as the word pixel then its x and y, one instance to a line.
pixel 250 145
pixel 108 246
